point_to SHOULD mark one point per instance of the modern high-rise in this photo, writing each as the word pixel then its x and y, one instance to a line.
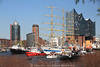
pixel 78 29
pixel 15 32
pixel 33 39
pixel 35 30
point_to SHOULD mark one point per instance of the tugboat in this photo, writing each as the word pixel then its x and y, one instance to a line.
pixel 17 49
pixel 35 52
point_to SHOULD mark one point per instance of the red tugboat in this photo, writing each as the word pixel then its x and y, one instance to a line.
pixel 35 52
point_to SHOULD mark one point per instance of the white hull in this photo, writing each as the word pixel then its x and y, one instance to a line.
pixel 51 56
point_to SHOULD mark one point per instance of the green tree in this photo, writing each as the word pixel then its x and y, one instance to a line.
pixel 83 1
pixel 98 10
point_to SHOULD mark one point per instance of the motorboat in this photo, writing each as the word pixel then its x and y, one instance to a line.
pixel 51 56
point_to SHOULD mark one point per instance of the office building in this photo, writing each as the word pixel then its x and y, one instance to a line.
pixel 15 32
pixel 35 30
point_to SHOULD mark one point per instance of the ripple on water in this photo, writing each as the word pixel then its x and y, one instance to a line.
pixel 5 53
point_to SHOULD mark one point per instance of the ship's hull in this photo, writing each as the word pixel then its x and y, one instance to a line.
pixel 17 51
pixel 35 54
pixel 96 48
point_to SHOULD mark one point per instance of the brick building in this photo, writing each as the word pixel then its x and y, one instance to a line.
pixel 5 43
pixel 33 38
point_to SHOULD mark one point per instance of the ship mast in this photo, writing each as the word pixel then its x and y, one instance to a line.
pixel 51 23
pixel 52 29
pixel 63 32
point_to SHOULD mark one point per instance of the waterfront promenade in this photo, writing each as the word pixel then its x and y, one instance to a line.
pixel 89 60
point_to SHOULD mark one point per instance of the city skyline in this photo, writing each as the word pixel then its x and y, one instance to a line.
pixel 32 12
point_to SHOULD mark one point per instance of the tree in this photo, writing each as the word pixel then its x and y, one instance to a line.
pixel 83 1
pixel 98 10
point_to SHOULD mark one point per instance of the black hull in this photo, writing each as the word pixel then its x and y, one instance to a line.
pixel 17 51
pixel 96 48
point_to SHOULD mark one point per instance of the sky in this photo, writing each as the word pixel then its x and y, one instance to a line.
pixel 29 12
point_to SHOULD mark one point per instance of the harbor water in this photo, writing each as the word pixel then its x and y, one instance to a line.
pixel 21 60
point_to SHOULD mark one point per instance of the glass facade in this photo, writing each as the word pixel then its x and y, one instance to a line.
pixel 15 31
pixel 77 25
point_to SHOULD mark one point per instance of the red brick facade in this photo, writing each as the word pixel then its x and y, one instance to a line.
pixel 79 40
pixel 5 43
pixel 35 29
pixel 41 41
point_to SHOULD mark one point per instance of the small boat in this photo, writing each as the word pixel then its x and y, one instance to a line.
pixel 51 56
